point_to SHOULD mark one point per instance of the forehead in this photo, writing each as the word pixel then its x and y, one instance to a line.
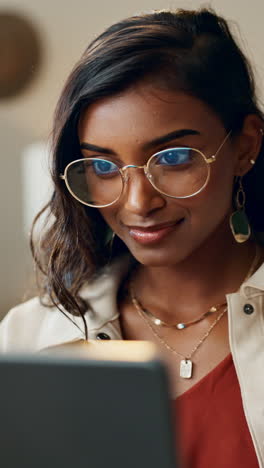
pixel 141 113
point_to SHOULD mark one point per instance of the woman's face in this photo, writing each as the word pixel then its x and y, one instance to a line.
pixel 132 126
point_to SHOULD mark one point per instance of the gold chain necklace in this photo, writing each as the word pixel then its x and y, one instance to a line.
pixel 180 325
pixel 186 364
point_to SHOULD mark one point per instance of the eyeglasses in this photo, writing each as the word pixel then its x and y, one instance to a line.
pixel 180 172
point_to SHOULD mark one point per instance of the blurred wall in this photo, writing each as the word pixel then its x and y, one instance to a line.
pixel 65 29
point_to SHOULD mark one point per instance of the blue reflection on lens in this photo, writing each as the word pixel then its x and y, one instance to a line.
pixel 176 156
pixel 103 167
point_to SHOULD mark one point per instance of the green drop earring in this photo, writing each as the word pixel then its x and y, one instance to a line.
pixel 238 221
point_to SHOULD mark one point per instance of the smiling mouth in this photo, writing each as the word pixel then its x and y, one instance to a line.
pixel 153 233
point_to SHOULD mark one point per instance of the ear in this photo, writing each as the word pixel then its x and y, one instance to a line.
pixel 249 144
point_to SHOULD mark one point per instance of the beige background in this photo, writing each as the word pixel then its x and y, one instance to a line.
pixel 66 28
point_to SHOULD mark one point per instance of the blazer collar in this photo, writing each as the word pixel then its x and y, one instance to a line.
pixel 101 296
pixel 254 286
pixel 101 293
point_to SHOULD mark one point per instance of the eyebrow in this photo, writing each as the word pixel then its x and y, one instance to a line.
pixel 169 137
pixel 150 144
pixel 98 149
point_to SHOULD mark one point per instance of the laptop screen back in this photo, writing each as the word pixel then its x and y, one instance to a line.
pixel 75 413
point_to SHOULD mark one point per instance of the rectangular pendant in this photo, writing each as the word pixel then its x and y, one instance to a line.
pixel 186 369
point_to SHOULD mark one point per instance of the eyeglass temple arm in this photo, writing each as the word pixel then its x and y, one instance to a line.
pixel 213 157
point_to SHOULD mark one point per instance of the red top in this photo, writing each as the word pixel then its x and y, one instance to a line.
pixel 213 432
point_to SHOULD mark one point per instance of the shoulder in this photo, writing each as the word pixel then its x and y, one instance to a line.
pixel 32 326
pixel 22 322
pixel 29 325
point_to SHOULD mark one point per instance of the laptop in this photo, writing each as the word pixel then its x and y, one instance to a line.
pixel 95 406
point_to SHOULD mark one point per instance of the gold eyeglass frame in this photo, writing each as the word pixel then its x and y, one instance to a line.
pixel 124 177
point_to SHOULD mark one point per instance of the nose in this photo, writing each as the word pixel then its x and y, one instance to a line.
pixel 139 196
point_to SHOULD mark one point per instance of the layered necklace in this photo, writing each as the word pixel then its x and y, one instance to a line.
pixel 186 363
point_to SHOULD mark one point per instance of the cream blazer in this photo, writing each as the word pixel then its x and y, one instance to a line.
pixel 33 327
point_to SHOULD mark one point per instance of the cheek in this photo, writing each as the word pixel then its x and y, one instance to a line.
pixel 221 184
pixel 110 215
pixel 214 203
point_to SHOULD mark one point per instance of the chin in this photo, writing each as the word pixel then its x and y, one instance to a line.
pixel 155 257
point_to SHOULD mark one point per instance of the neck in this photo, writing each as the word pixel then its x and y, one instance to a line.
pixel 199 281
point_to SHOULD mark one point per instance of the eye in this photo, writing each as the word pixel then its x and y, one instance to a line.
pixel 175 156
pixel 103 167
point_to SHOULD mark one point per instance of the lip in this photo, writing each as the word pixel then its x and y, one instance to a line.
pixel 154 233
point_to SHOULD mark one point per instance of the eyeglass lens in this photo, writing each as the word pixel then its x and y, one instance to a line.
pixel 176 172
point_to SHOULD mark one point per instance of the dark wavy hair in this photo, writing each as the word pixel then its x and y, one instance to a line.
pixel 190 51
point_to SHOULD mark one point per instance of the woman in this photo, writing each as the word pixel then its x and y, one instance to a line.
pixel 153 229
